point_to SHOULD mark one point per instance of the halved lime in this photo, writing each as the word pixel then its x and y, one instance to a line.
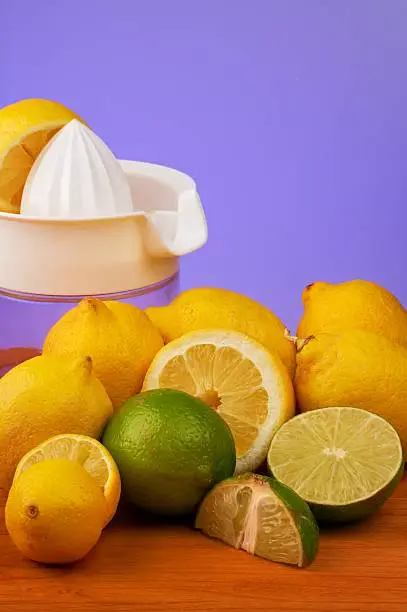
pixel 345 462
pixel 261 516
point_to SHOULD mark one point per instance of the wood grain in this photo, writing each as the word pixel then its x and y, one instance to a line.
pixel 147 567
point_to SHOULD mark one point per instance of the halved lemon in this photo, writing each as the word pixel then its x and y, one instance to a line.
pixel 90 453
pixel 247 385
pixel 25 128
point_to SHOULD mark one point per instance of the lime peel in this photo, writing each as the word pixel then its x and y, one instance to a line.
pixel 262 516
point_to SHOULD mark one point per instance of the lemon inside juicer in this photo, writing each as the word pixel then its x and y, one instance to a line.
pixel 49 263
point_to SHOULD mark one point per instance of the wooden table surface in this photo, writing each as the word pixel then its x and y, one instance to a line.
pixel 167 567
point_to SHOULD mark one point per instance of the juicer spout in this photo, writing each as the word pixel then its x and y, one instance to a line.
pixel 172 233
pixel 171 206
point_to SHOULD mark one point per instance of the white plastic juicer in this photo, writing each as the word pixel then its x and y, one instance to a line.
pixel 90 225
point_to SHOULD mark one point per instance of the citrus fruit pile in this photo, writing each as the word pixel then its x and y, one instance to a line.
pixel 183 410
pixel 179 410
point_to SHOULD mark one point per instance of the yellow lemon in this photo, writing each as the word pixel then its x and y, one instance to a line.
pixel 248 386
pixel 208 308
pixel 90 454
pixel 354 368
pixel 6 206
pixel 45 396
pixel 119 337
pixel 25 128
pixel 55 512
pixel 355 304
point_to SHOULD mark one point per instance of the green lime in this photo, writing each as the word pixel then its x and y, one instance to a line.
pixel 170 448
pixel 261 516
pixel 345 462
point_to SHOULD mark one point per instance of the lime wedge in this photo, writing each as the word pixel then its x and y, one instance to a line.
pixel 345 462
pixel 261 516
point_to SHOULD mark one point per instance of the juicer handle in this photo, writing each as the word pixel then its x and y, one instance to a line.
pixel 172 233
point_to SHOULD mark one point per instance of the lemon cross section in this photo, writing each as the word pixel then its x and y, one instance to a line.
pixel 247 385
pixel 26 127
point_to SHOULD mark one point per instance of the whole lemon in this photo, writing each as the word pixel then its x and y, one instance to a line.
pixel 209 308
pixel 356 304
pixel 45 396
pixel 90 453
pixel 119 337
pixel 354 368
pixel 55 512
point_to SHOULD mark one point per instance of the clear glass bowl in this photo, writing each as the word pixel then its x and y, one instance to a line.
pixel 25 319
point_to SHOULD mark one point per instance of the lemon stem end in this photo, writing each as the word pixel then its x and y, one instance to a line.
pixel 298 342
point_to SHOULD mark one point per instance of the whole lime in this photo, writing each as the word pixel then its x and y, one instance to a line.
pixel 171 448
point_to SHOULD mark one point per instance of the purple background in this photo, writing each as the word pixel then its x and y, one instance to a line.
pixel 291 116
